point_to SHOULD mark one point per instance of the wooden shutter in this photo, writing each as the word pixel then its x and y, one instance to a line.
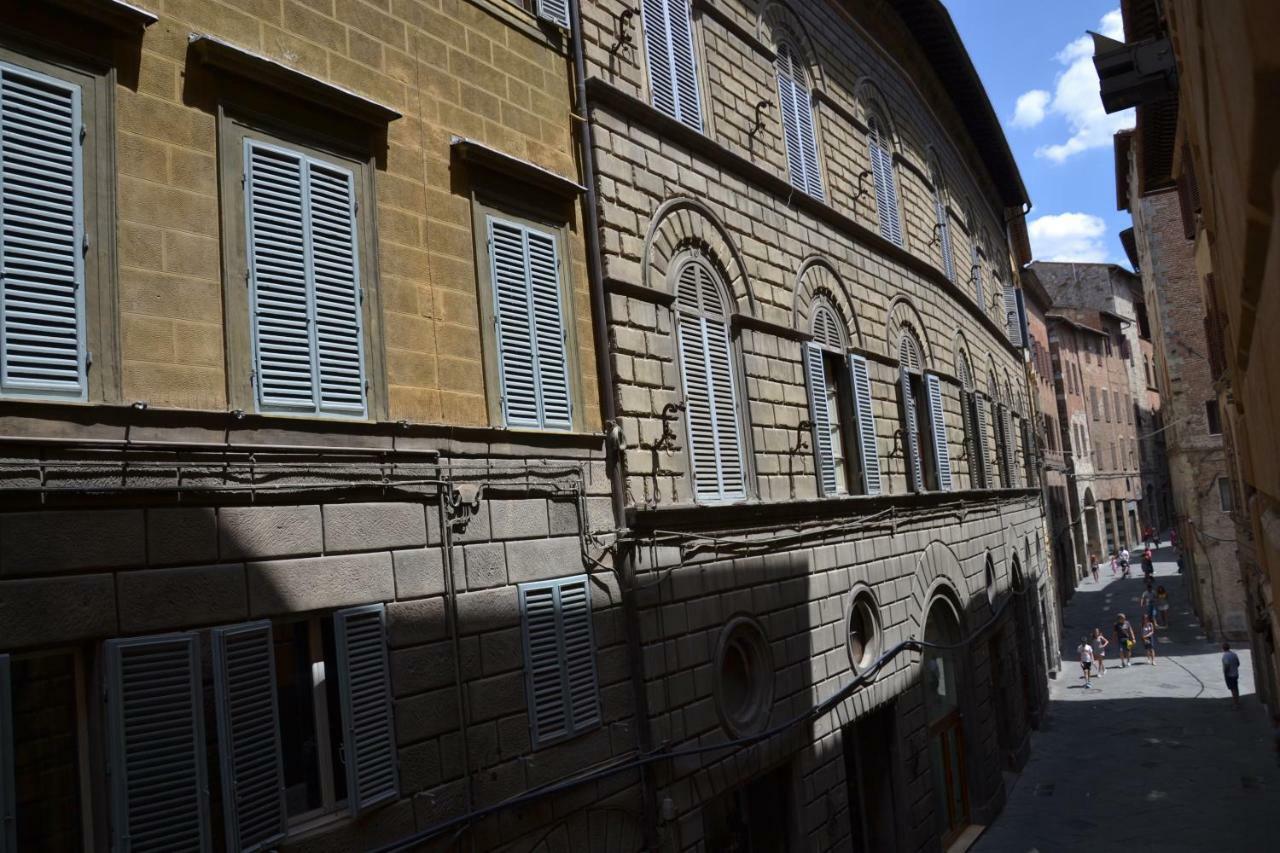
pixel 305 296
pixel 559 657
pixel 555 11
pixel 943 225
pixel 244 688
pixel 866 424
pixel 1030 456
pixel 915 474
pixel 364 683
pixel 156 746
pixel 706 366
pixel 673 70
pixel 975 263
pixel 8 819
pixel 42 239
pixel 532 366
pixel 937 420
pixel 1010 448
pixel 822 452
pixel 980 440
pixel 886 191
pixel 1013 326
pixel 798 128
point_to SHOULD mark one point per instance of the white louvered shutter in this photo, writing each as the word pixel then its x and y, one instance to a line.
pixel 915 472
pixel 866 424
pixel 559 656
pixel 822 451
pixel 1010 449
pixel 938 422
pixel 886 190
pixel 156 745
pixel 706 364
pixel 42 239
pixel 244 688
pixel 1012 326
pixel 8 820
pixel 673 69
pixel 305 296
pixel 555 11
pixel 975 264
pixel 980 441
pixel 1001 458
pixel 798 127
pixel 364 681
pixel 944 228
pixel 532 366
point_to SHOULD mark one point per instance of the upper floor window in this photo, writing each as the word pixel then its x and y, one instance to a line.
pixel 1212 417
pixel 920 396
pixel 975 262
pixel 1012 315
pixel 975 425
pixel 707 372
pixel 673 66
pixel 881 151
pixel 51 239
pixel 303 254
pixel 797 122
pixel 559 658
pixel 525 276
pixel 942 223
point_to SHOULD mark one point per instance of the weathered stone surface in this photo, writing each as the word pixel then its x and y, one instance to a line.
pixel 48 611
pixel 518 519
pixel 541 559
pixel 419 572
pixel 418 621
pixel 318 583
pixel 164 599
pixel 269 531
pixel 182 535
pixel 486 565
pixel 425 715
pixel 488 610
pixel 39 543
pixel 373 526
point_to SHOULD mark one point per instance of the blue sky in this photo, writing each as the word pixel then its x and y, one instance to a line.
pixel 1036 63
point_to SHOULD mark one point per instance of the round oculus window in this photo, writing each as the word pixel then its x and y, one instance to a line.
pixel 863 631
pixel 744 677
pixel 990 578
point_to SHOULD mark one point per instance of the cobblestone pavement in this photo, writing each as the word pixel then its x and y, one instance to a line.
pixel 1148 758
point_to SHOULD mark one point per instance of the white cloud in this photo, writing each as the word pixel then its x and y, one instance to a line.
pixel 1068 237
pixel 1075 99
pixel 1029 110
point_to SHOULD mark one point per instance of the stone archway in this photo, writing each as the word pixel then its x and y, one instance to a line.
pixel 943 717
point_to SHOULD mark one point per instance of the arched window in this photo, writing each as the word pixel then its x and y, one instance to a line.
pixel 975 261
pixel 840 406
pixel 673 65
pixel 710 390
pixel 881 151
pixel 920 396
pixel 942 224
pixel 975 424
pixel 798 130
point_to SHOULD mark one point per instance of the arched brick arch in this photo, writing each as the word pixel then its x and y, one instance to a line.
pixel 868 101
pixel 682 224
pixel 937 572
pixel 818 276
pixel 778 22
pixel 902 314
pixel 960 348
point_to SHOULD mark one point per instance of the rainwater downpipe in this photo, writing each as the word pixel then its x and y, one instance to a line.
pixel 600 323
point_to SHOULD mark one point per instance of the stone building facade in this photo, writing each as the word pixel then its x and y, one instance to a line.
pixel 816 350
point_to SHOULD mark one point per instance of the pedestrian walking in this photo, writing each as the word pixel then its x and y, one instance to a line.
pixel 1231 672
pixel 1124 638
pixel 1086 660
pixel 1099 643
pixel 1093 567
pixel 1115 564
pixel 1162 606
pixel 1149 536
pixel 1148 565
pixel 1148 603
pixel 1124 562
pixel 1149 639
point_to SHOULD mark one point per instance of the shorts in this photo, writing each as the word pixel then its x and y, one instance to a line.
pixel 1146 644
pixel 1086 666
pixel 1233 684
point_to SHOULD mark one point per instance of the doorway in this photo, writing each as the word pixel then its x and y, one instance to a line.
pixel 869 774
pixel 945 722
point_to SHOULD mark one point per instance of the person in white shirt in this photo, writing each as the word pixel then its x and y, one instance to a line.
pixel 1086 660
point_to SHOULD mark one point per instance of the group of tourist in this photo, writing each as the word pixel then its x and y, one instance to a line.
pixel 1155 614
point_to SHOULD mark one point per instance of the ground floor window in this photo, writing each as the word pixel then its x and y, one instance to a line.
pixel 754 818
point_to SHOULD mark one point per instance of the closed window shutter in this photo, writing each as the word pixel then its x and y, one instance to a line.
pixel 673 75
pixel 886 191
pixel 944 233
pixel 980 441
pixel 555 11
pixel 866 423
pixel 1010 450
pixel 975 265
pixel 1011 323
pixel 1029 453
pixel 937 419
pixel 711 409
pixel 304 283
pixel 364 683
pixel 533 372
pixel 915 472
pixel 244 687
pixel 1002 459
pixel 42 240
pixel 559 656
pixel 797 123
pixel 826 463
pixel 156 744
pixel 8 820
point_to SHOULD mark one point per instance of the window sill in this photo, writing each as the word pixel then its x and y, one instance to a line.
pixel 315 827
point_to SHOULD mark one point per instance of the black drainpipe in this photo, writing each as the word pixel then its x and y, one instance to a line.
pixel 624 563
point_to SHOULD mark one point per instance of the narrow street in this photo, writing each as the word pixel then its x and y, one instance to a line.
pixel 1148 758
